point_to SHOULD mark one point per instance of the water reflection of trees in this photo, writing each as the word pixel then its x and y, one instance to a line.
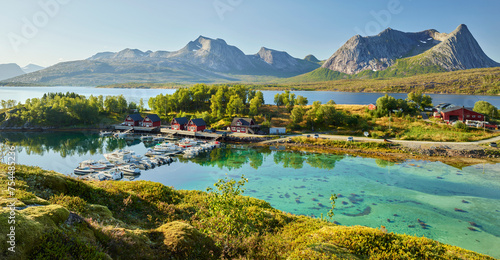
pixel 237 158
pixel 231 158
pixel 64 143
pixel 296 159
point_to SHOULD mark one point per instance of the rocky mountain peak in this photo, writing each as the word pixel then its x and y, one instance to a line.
pixel 457 50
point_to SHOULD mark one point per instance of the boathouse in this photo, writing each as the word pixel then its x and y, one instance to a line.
pixel 196 125
pixel 133 120
pixel 460 114
pixel 152 120
pixel 243 125
pixel 179 123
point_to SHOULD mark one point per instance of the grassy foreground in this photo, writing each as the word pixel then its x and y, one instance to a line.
pixel 68 218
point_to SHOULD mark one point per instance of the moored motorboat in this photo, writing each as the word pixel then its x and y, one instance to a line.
pixel 130 169
pixel 96 177
pixel 83 170
pixel 113 174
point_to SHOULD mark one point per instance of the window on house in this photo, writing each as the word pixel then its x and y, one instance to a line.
pixel 479 116
pixel 473 116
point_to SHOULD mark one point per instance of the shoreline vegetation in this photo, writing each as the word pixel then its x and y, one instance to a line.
pixel 59 216
pixel 462 156
pixel 484 81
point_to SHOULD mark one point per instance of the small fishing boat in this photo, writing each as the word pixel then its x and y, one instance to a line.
pixel 93 165
pixel 113 174
pixel 130 169
pixel 107 163
pixel 83 170
pixel 96 177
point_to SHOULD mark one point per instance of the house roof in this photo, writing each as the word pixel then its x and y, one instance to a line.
pixel 456 108
pixel 244 121
pixel 181 120
pixel 198 121
pixel 153 117
pixel 136 117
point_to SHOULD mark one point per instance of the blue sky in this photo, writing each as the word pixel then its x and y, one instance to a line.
pixel 67 30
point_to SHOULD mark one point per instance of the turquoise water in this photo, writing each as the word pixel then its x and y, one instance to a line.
pixel 373 192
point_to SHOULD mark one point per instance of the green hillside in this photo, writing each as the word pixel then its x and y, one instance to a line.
pixel 484 81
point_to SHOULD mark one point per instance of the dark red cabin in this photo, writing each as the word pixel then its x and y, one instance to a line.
pixel 460 114
pixel 179 123
pixel 133 120
pixel 152 120
pixel 196 125
pixel 243 125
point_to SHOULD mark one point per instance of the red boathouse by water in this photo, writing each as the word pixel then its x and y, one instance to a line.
pixel 152 120
pixel 179 123
pixel 133 120
pixel 196 125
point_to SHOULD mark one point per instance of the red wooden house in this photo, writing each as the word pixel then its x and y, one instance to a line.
pixel 243 125
pixel 133 120
pixel 196 125
pixel 372 106
pixel 179 123
pixel 460 114
pixel 152 120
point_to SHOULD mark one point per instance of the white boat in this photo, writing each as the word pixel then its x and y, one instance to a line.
pixel 151 152
pixel 93 165
pixel 147 162
pixel 107 163
pixel 130 169
pixel 165 159
pixel 161 149
pixel 96 177
pixel 157 161
pixel 187 142
pixel 122 156
pixel 113 174
pixel 83 170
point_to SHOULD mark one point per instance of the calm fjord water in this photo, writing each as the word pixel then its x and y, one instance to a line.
pixel 23 93
pixel 373 192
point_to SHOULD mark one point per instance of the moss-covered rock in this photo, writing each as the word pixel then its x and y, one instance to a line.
pixel 183 241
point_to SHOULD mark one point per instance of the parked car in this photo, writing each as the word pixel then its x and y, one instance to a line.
pixel 208 131
pixel 316 136
pixel 350 139
pixel 308 136
pixel 493 144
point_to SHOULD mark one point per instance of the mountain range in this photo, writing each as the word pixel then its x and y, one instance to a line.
pixel 390 53
pixel 10 70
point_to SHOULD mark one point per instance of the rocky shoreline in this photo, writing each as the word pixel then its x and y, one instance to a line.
pixel 469 155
